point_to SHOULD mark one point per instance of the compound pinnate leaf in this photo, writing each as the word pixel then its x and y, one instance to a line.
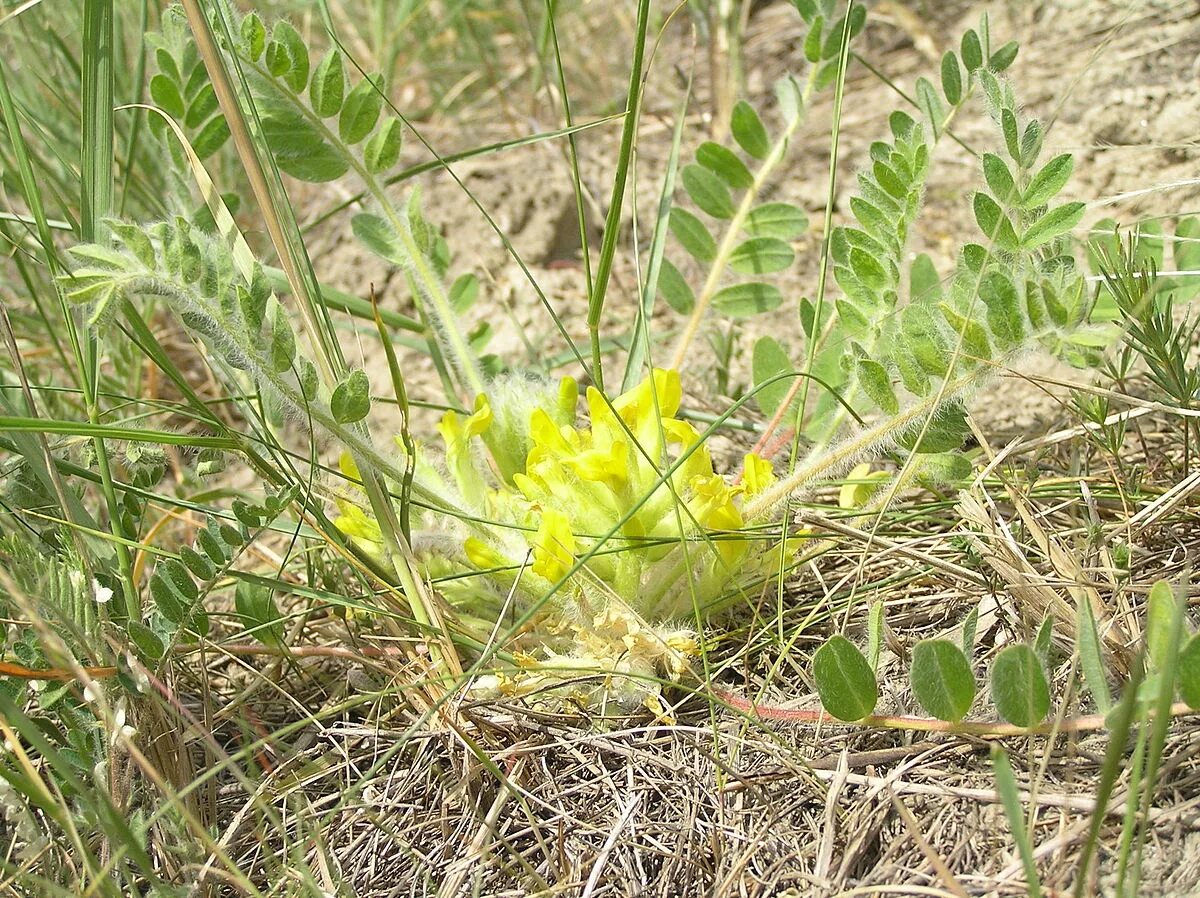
pixel 382 151
pixel 166 96
pixel 675 289
pixel 351 400
pixel 744 300
pixel 1160 618
pixel 844 680
pixel 769 360
pixel 692 235
pixel 360 112
pixel 1053 224
pixel 951 78
pixel 972 51
pixel 260 615
pixel 1189 672
pixel 707 191
pixel 780 220
pixel 1003 58
pixel 725 163
pixel 1046 184
pixel 761 255
pixel 328 85
pixel 749 131
pixel 1019 688
pixel 941 679
pixel 999 179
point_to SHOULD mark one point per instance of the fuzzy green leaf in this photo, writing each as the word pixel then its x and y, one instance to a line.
pixel 999 179
pixel 769 360
pixel 972 51
pixel 1091 658
pixel 1003 58
pixel 813 40
pixel 199 565
pixel 869 271
pixel 941 679
pixel 255 603
pixel 707 191
pixel 947 431
pixel 351 401
pixel 149 647
pixel 382 150
pixel 844 680
pixel 1189 673
pixel 1053 224
pixel 925 285
pixel 300 148
pixel 725 163
pixel 674 288
pixel 211 137
pixel 874 634
pixel 1031 143
pixel 328 87
pixel 166 96
pixel 360 112
pixel 761 255
pixel 994 223
pixel 281 346
pixel 951 78
pixel 876 384
pixel 1046 184
pixel 1160 618
pixel 744 300
pixel 1019 688
pixel 254 36
pixel 378 236
pixel 692 235
pixel 780 220
pixel 1012 140
pixel 929 104
pixel 213 546
pixel 749 131
pixel 463 292
pixel 201 107
pixel 1004 316
pixel 297 75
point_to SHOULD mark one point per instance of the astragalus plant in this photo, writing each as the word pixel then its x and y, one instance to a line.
pixel 578 547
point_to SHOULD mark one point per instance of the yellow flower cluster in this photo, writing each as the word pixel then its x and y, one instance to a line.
pixel 622 522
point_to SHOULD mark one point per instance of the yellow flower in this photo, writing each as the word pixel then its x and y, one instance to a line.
pixel 757 474
pixel 608 466
pixel 482 555
pixel 553 546
pixel 362 529
pixel 860 486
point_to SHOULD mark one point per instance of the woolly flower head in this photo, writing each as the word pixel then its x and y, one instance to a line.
pixel 602 533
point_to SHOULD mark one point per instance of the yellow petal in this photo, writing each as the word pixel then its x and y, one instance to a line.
pixel 757 474
pixel 347 466
pixel 608 466
pixel 481 419
pixel 483 556
pixel 553 546
pixel 860 485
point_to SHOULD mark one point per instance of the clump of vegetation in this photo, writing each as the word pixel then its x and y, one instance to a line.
pixel 584 551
